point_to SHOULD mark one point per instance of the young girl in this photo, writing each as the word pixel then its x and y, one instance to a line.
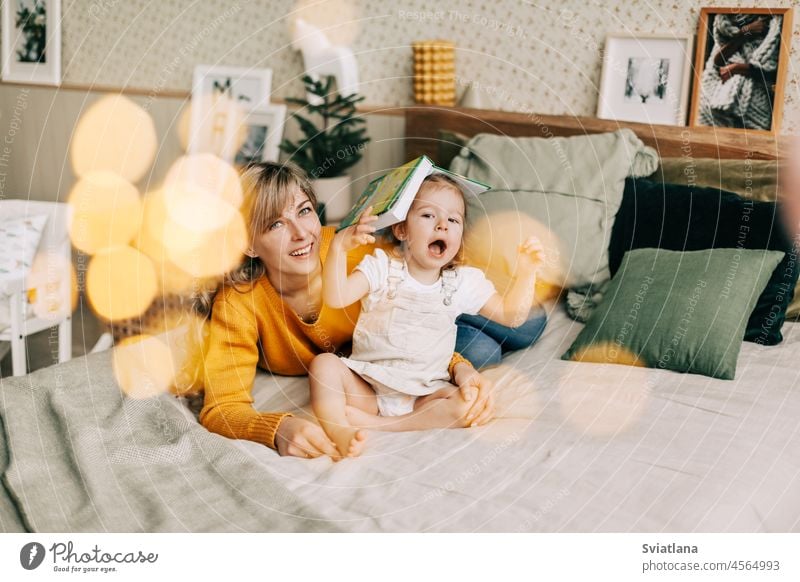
pixel 406 331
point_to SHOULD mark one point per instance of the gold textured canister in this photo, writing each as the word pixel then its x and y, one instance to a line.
pixel 434 72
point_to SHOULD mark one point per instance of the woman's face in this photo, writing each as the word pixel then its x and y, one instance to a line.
pixel 290 245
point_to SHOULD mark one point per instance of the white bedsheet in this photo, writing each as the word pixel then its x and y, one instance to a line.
pixel 577 448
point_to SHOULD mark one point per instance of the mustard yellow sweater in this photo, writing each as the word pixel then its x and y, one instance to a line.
pixel 252 326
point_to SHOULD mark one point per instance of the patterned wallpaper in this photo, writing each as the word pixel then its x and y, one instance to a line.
pixel 530 55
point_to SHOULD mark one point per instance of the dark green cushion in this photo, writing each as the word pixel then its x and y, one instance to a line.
pixel 682 311
pixel 448 146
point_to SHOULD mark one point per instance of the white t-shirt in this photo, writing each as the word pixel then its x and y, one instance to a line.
pixel 472 292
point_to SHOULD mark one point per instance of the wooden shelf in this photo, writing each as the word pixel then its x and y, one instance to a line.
pixel 424 122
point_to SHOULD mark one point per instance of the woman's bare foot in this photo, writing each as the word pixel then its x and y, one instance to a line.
pixel 350 441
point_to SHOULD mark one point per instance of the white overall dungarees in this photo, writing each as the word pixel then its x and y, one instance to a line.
pixel 404 340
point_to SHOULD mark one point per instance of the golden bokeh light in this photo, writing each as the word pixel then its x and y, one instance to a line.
pixel 114 134
pixel 120 283
pixel 183 126
pixel 608 353
pixel 150 240
pixel 212 124
pixel 492 242
pixel 144 366
pixel 106 211
pixel 202 192
pixel 187 336
pixel 597 401
pixel 207 254
pixel 53 286
pixel 154 216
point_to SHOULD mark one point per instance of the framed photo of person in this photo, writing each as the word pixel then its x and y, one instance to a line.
pixel 222 97
pixel 263 135
pixel 31 31
pixel 645 79
pixel 741 64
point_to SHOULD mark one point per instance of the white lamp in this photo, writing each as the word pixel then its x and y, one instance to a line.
pixel 322 58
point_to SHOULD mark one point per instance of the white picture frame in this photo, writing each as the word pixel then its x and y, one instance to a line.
pixel 645 79
pixel 264 135
pixel 248 87
pixel 221 98
pixel 22 45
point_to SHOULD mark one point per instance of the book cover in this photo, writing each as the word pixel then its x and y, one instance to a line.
pixel 391 195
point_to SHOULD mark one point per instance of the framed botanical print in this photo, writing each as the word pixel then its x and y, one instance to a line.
pixel 31 31
pixel 741 64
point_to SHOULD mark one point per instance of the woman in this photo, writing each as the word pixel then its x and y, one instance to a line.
pixel 269 313
pixel 739 75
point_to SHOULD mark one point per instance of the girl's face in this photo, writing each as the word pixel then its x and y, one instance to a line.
pixel 290 245
pixel 434 227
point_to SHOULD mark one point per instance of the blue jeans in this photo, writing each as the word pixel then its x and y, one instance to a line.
pixel 483 342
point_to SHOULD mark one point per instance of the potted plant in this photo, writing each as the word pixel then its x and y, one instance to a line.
pixel 330 147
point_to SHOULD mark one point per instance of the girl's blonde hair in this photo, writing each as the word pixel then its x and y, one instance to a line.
pixel 444 181
pixel 268 188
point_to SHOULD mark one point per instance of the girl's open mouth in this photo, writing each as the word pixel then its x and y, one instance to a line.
pixel 437 248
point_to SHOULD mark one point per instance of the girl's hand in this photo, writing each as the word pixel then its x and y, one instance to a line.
pixel 475 388
pixel 531 254
pixel 358 234
pixel 297 437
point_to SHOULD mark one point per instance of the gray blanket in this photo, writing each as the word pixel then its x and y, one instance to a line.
pixel 76 455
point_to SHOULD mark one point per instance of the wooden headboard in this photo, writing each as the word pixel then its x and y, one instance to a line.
pixel 424 122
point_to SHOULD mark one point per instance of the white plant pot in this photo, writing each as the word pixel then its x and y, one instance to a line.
pixel 335 194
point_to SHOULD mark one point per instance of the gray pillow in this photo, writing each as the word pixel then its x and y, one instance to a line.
pixel 575 232
pixel 571 188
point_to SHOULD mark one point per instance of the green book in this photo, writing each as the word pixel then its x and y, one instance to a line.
pixel 391 195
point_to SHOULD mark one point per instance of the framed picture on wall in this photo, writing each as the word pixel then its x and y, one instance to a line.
pixel 31 31
pixel 645 78
pixel 221 99
pixel 248 87
pixel 263 135
pixel 741 65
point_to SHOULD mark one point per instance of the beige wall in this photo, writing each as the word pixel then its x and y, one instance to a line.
pixel 543 57
pixel 37 123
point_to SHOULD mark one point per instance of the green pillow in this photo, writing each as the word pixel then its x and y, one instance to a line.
pixel 682 311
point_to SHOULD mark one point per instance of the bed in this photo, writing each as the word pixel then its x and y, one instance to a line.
pixel 576 447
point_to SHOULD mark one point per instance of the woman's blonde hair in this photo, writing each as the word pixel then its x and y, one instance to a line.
pixel 444 181
pixel 268 188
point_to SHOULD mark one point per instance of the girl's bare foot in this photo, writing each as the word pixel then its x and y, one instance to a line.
pixel 350 441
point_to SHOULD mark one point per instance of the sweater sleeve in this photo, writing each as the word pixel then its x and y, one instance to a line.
pixel 230 368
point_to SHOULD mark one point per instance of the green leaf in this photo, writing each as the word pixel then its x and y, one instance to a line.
pixel 328 127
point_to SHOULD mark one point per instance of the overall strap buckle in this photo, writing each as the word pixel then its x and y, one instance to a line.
pixel 397 273
pixel 449 284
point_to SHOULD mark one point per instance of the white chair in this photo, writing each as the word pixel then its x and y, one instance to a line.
pixel 23 322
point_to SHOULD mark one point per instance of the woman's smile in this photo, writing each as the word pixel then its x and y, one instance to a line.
pixel 302 252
